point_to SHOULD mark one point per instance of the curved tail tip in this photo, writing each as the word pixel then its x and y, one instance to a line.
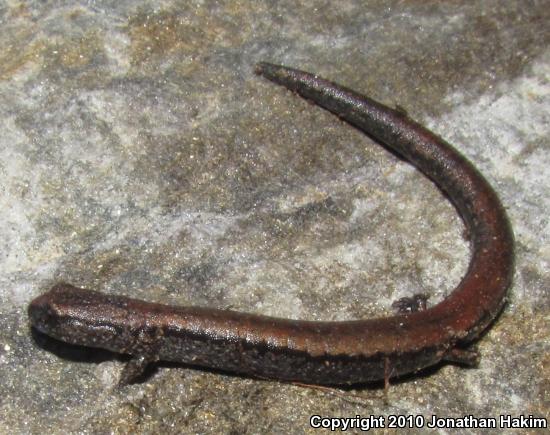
pixel 266 68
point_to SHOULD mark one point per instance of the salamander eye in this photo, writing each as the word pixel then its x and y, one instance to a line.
pixel 42 316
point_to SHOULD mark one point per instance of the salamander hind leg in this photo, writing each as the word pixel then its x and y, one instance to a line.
pixel 468 357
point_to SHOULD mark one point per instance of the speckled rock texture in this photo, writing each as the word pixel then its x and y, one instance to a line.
pixel 141 156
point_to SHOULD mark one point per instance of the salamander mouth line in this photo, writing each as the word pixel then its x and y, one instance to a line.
pixel 333 353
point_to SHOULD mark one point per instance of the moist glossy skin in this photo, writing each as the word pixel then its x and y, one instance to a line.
pixel 315 352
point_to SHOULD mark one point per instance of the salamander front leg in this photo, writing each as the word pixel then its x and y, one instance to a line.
pixel 135 368
pixel 144 350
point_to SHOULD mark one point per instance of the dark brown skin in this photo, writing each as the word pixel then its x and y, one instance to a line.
pixel 316 352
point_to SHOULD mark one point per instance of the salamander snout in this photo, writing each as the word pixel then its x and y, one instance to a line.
pixel 41 315
pixel 44 311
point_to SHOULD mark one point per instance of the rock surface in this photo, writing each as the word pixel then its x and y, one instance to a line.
pixel 140 155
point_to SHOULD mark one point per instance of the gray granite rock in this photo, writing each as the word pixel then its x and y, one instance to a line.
pixel 140 155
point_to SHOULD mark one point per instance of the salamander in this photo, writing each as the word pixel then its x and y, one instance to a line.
pixel 316 352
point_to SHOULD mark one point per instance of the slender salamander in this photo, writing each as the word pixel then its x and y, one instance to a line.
pixel 309 351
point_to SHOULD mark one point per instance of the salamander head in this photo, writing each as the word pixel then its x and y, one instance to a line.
pixel 73 315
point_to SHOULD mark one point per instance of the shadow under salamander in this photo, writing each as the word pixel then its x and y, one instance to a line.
pixel 72 352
